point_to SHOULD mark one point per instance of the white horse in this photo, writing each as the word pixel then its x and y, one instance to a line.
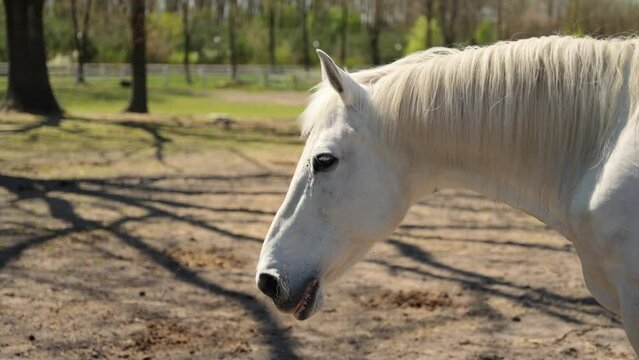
pixel 546 125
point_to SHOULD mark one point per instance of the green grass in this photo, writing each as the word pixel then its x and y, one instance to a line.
pixel 93 134
pixel 93 144
pixel 96 138
pixel 175 97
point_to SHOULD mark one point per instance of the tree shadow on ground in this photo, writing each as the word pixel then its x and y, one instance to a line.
pixel 53 120
pixel 568 248
pixel 550 303
pixel 50 191
pixel 146 193
pixel 158 139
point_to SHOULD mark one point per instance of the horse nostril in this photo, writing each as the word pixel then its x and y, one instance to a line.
pixel 268 284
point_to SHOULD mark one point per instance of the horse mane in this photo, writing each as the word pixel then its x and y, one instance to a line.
pixel 541 110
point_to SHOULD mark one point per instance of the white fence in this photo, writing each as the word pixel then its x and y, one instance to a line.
pixel 198 71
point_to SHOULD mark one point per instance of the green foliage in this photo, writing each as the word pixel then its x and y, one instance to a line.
pixel 418 33
pixel 289 15
pixel 486 33
pixel 177 57
pixel 208 38
pixel 59 30
pixel 334 16
pixel 110 36
pixel 403 29
pixel 284 53
pixel 391 45
pixel 164 32
pixel 90 51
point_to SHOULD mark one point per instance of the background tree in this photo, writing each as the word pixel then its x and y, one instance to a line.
pixel 232 39
pixel 171 5
pixel 304 9
pixel 81 37
pixel 500 20
pixel 428 13
pixel 138 102
pixel 574 17
pixel 28 88
pixel 418 34
pixel 272 24
pixel 186 30
pixel 374 25
pixel 219 9
pixel 448 11
pixel 343 33
pixel 269 32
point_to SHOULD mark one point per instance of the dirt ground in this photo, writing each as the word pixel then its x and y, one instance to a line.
pixel 108 254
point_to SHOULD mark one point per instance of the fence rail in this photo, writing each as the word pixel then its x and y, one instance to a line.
pixel 201 71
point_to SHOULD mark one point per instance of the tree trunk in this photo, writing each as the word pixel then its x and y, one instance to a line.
pixel 374 46
pixel 85 34
pixel 374 30
pixel 448 10
pixel 343 32
pixel 202 4
pixel 306 59
pixel 232 46
pixel 28 88
pixel 80 37
pixel 271 35
pixel 187 40
pixel 138 102
pixel 171 5
pixel 77 38
pixel 500 18
pixel 428 12
pixel 219 10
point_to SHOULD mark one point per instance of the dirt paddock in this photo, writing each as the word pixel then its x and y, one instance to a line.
pixel 155 259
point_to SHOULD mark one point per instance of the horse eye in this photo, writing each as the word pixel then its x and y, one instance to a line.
pixel 324 162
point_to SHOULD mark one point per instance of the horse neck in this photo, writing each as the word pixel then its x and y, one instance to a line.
pixel 525 140
pixel 427 177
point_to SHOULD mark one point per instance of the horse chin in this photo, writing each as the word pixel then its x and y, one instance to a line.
pixel 310 303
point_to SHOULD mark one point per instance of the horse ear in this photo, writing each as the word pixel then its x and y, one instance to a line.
pixel 343 83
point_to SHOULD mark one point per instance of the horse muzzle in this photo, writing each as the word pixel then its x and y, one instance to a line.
pixel 302 303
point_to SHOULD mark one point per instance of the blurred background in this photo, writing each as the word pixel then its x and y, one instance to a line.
pixel 145 147
pixel 269 44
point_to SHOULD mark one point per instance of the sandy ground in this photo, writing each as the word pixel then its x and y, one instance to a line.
pixel 157 262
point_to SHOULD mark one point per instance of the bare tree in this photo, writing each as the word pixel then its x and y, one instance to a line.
pixel 81 37
pixel 304 9
pixel 272 12
pixel 138 101
pixel 232 45
pixel 500 19
pixel 220 5
pixel 550 9
pixel 171 5
pixel 203 4
pixel 428 13
pixel 374 25
pixel 186 30
pixel 448 11
pixel 28 88
pixel 343 32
